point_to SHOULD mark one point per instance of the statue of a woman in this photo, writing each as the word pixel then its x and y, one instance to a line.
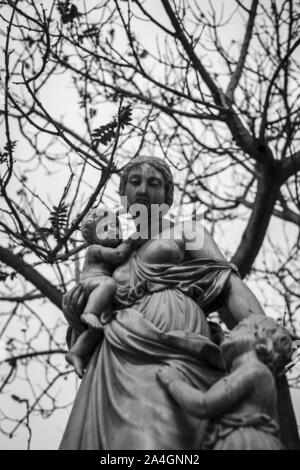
pixel 242 406
pixel 163 293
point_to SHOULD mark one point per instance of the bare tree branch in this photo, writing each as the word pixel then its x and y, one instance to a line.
pixel 235 77
pixel 32 275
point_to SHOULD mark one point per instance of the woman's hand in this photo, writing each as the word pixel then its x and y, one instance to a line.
pixel 73 305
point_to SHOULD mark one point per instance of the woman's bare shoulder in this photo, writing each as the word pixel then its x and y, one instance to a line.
pixel 198 241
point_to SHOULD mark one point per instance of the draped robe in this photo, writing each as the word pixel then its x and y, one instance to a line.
pixel 160 320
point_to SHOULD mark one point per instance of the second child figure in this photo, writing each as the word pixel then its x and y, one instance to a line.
pixel 241 407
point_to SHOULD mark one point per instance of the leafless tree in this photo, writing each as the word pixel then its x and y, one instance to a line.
pixel 212 88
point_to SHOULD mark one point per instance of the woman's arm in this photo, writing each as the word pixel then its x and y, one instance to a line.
pixel 238 300
pixel 217 400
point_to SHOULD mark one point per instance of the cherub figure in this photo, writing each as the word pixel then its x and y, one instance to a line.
pixel 101 229
pixel 242 406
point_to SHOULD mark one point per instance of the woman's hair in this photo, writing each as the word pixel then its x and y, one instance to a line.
pixel 271 342
pixel 159 165
pixel 90 221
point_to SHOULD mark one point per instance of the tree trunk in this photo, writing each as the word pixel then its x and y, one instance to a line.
pixel 254 234
pixel 252 240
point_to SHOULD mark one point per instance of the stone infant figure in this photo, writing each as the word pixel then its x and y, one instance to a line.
pixel 101 229
pixel 242 406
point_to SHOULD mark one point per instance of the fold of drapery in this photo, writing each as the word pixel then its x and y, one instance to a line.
pixel 159 321
pixel 246 431
pixel 201 279
pixel 121 403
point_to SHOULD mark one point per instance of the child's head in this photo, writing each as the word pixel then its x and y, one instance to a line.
pixel 101 226
pixel 271 342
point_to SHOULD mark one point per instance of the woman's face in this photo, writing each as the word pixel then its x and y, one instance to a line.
pixel 145 185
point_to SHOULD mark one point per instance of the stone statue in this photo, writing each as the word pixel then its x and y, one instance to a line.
pixel 242 406
pixel 106 251
pixel 164 291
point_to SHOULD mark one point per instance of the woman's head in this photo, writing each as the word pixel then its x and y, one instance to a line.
pixel 271 342
pixel 138 178
pixel 101 226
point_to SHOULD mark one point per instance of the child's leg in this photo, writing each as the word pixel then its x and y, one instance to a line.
pixel 97 301
pixel 107 314
pixel 84 345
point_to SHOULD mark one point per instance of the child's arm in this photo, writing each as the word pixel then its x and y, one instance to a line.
pixel 118 255
pixel 113 256
pixel 218 399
